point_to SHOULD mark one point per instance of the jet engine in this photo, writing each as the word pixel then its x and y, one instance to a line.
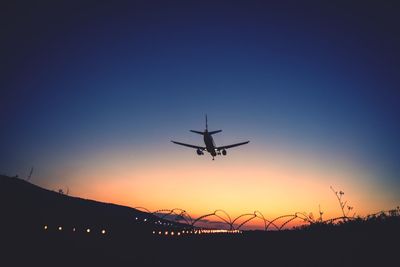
pixel 199 152
pixel 224 152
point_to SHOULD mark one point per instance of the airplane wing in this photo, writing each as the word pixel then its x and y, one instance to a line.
pixel 230 146
pixel 192 146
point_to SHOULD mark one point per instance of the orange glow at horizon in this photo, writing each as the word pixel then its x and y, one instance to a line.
pixel 275 182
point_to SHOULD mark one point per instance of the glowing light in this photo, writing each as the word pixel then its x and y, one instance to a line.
pixel 73 229
pixel 159 232
pixel 103 232
pixel 60 228
pixel 45 227
pixel 88 230
pixel 172 233
pixel 211 231
pixel 166 232
pixel 154 232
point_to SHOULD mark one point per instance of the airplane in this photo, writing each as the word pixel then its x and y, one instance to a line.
pixel 209 143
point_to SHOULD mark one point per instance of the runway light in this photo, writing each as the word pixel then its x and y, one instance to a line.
pixel 45 227
pixel 159 233
pixel 103 232
pixel 172 233
pixel 59 228
pixel 88 230
pixel 166 232
pixel 154 232
pixel 179 233
pixel 73 229
pixel 145 220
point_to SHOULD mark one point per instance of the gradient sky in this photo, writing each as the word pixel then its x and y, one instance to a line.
pixel 92 93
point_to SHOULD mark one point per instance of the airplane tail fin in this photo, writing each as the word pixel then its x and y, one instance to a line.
pixel 206 123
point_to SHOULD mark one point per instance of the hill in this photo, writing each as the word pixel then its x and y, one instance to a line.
pixel 30 235
pixel 31 207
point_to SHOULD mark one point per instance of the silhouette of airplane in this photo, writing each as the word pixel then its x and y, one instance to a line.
pixel 209 142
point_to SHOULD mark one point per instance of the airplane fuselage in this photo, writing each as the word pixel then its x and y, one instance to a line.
pixel 209 142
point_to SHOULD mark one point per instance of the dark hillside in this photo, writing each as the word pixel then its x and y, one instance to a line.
pixel 29 206
pixel 26 210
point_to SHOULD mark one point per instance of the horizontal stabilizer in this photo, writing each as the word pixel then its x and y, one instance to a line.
pixel 198 132
pixel 214 132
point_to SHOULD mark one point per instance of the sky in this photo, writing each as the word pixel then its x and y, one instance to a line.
pixel 92 92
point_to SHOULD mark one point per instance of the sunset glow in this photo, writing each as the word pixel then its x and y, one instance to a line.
pixel 274 182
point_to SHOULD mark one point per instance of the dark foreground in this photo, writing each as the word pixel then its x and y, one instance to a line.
pixel 27 209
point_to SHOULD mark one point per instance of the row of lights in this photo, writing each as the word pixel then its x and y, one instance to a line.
pixel 165 223
pixel 200 231
pixel 156 222
pixel 60 228
pixel 172 233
